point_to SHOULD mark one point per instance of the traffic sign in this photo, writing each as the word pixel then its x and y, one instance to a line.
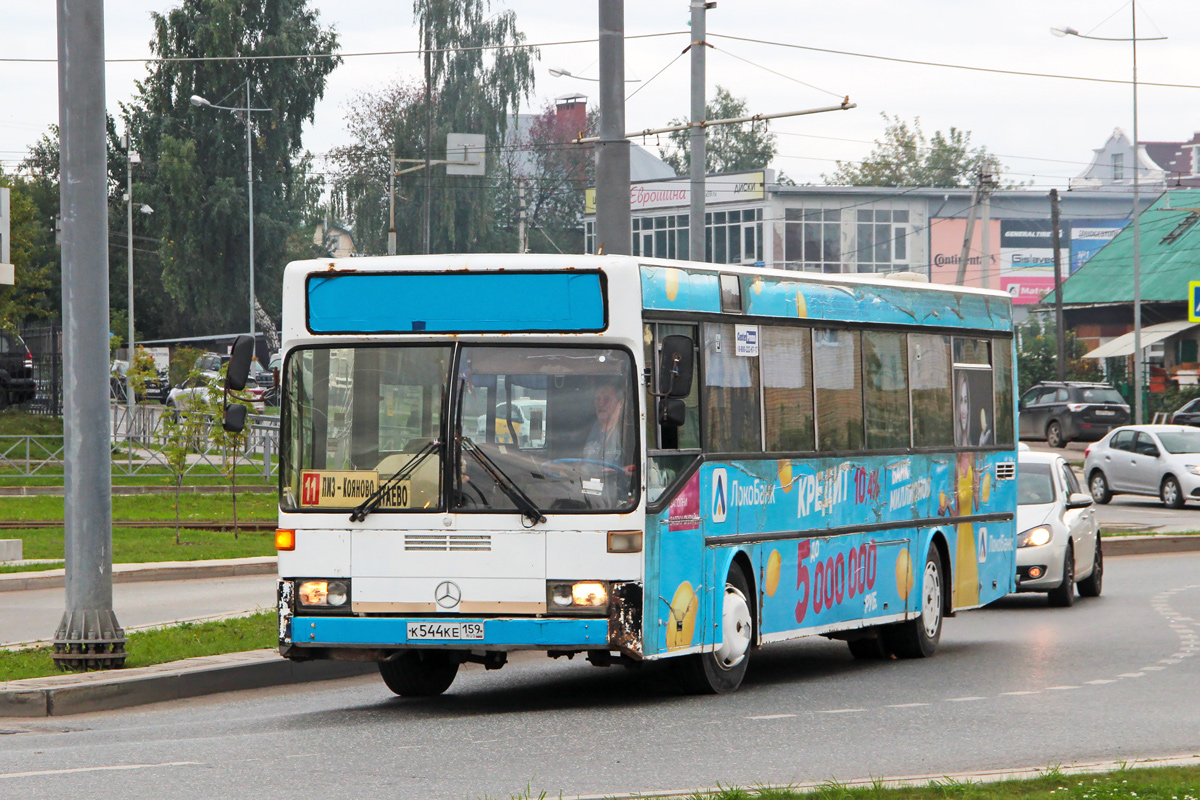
pixel 1193 301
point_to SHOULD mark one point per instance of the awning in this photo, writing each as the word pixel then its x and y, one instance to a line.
pixel 1123 345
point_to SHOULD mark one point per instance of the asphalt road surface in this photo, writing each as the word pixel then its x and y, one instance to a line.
pixel 34 615
pixel 1016 685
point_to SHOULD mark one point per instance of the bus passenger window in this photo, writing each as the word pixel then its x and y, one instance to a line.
pixel 929 370
pixel 787 388
pixel 885 375
pixel 731 397
pixel 1002 364
pixel 839 389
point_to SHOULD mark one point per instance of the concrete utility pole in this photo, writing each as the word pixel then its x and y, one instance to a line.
pixel 965 257
pixel 1139 366
pixel 428 133
pixel 986 184
pixel 613 219
pixel 392 204
pixel 522 245
pixel 1058 310
pixel 697 146
pixel 88 636
pixel 130 158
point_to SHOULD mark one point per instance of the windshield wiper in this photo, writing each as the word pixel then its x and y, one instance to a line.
pixel 522 501
pixel 410 466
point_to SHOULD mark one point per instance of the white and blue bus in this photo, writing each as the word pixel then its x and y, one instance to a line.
pixel 634 459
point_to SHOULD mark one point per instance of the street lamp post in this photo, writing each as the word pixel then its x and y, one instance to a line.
pixel 131 158
pixel 1138 365
pixel 199 101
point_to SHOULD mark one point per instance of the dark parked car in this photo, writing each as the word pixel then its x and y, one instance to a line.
pixel 155 388
pixel 1064 412
pixel 16 371
pixel 1188 414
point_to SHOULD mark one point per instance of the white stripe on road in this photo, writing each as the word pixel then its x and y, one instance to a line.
pixel 840 711
pixel 908 705
pixel 963 699
pixel 114 768
pixel 772 716
pixel 1101 680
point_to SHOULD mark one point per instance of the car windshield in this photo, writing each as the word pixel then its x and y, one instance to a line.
pixel 1035 485
pixel 1110 396
pixel 1180 441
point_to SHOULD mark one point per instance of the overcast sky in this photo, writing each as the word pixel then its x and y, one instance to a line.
pixel 1044 129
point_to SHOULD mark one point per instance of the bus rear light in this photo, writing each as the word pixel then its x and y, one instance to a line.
pixel 285 539
pixel 324 593
pixel 624 541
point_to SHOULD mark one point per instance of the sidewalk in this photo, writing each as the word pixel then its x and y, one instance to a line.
pixel 99 691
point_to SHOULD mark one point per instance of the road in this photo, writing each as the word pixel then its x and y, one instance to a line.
pixel 1018 684
pixel 33 615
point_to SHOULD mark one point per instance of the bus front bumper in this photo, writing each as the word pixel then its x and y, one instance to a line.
pixel 459 633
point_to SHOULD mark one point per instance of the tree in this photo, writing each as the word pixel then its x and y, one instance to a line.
pixel 1037 355
pixel 196 158
pixel 904 157
pixel 728 148
pixel 479 74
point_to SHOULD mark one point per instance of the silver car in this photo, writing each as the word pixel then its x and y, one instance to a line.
pixel 1161 460
pixel 1058 544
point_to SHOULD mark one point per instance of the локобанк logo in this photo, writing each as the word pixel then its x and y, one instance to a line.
pixel 720 494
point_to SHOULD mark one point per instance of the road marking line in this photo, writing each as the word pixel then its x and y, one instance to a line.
pixel 1131 674
pixel 1152 669
pixel 1016 693
pixel 840 711
pixel 1101 680
pixel 908 705
pixel 772 716
pixel 113 768
pixel 1060 688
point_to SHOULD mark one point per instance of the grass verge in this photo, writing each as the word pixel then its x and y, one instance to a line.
pixel 146 648
pixel 1106 532
pixel 1160 783
pixel 136 545
pixel 151 507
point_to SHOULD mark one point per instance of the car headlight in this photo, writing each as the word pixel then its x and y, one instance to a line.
pixel 1194 469
pixel 577 597
pixel 1035 537
pixel 328 594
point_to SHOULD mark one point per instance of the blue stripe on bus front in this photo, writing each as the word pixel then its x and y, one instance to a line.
pixel 460 301
pixel 394 631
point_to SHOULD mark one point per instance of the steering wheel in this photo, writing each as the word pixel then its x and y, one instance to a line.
pixel 578 463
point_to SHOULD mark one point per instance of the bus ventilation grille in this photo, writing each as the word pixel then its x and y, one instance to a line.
pixel 447 542
pixel 1006 471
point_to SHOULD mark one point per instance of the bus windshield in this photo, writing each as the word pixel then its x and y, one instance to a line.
pixel 559 423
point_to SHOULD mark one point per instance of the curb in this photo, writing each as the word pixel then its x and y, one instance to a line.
pixel 1156 543
pixel 193 677
pixel 154 571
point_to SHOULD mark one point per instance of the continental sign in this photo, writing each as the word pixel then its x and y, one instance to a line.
pixel 348 489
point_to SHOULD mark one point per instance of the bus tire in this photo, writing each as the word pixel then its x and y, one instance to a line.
pixel 721 670
pixel 918 638
pixel 419 673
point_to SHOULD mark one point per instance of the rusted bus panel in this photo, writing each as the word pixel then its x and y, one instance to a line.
pixel 625 618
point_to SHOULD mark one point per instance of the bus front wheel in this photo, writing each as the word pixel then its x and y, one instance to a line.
pixel 419 673
pixel 721 670
pixel 918 638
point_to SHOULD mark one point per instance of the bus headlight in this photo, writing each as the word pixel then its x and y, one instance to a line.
pixel 577 597
pixel 1035 537
pixel 329 594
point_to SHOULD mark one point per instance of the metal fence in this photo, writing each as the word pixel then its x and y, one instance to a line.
pixel 139 446
pixel 44 340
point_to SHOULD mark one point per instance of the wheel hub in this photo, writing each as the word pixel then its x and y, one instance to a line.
pixel 736 626
pixel 931 607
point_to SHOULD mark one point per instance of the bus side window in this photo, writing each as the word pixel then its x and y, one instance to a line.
pixel 686 436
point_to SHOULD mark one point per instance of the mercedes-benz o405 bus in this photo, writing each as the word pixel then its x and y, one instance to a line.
pixel 634 459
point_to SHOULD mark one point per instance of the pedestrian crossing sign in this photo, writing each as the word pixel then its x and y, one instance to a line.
pixel 1193 301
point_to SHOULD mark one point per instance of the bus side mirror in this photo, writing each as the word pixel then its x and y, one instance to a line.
pixel 672 412
pixel 240 356
pixel 675 367
pixel 235 418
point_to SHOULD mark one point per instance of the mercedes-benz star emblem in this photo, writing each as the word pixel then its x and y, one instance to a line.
pixel 447 594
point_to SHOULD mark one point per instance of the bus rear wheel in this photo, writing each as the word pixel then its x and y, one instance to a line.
pixel 721 670
pixel 419 673
pixel 918 638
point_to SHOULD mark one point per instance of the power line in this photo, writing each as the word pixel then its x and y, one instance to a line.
pixel 941 65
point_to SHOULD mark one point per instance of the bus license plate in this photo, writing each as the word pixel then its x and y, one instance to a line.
pixel 423 631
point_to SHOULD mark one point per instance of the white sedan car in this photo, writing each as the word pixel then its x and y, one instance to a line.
pixel 1058 544
pixel 1161 460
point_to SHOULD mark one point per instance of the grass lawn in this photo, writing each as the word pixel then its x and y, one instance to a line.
pixel 1122 532
pixel 251 507
pixel 160 646
pixel 134 545
pixel 1164 783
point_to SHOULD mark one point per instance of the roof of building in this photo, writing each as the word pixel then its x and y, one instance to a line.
pixel 1170 254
